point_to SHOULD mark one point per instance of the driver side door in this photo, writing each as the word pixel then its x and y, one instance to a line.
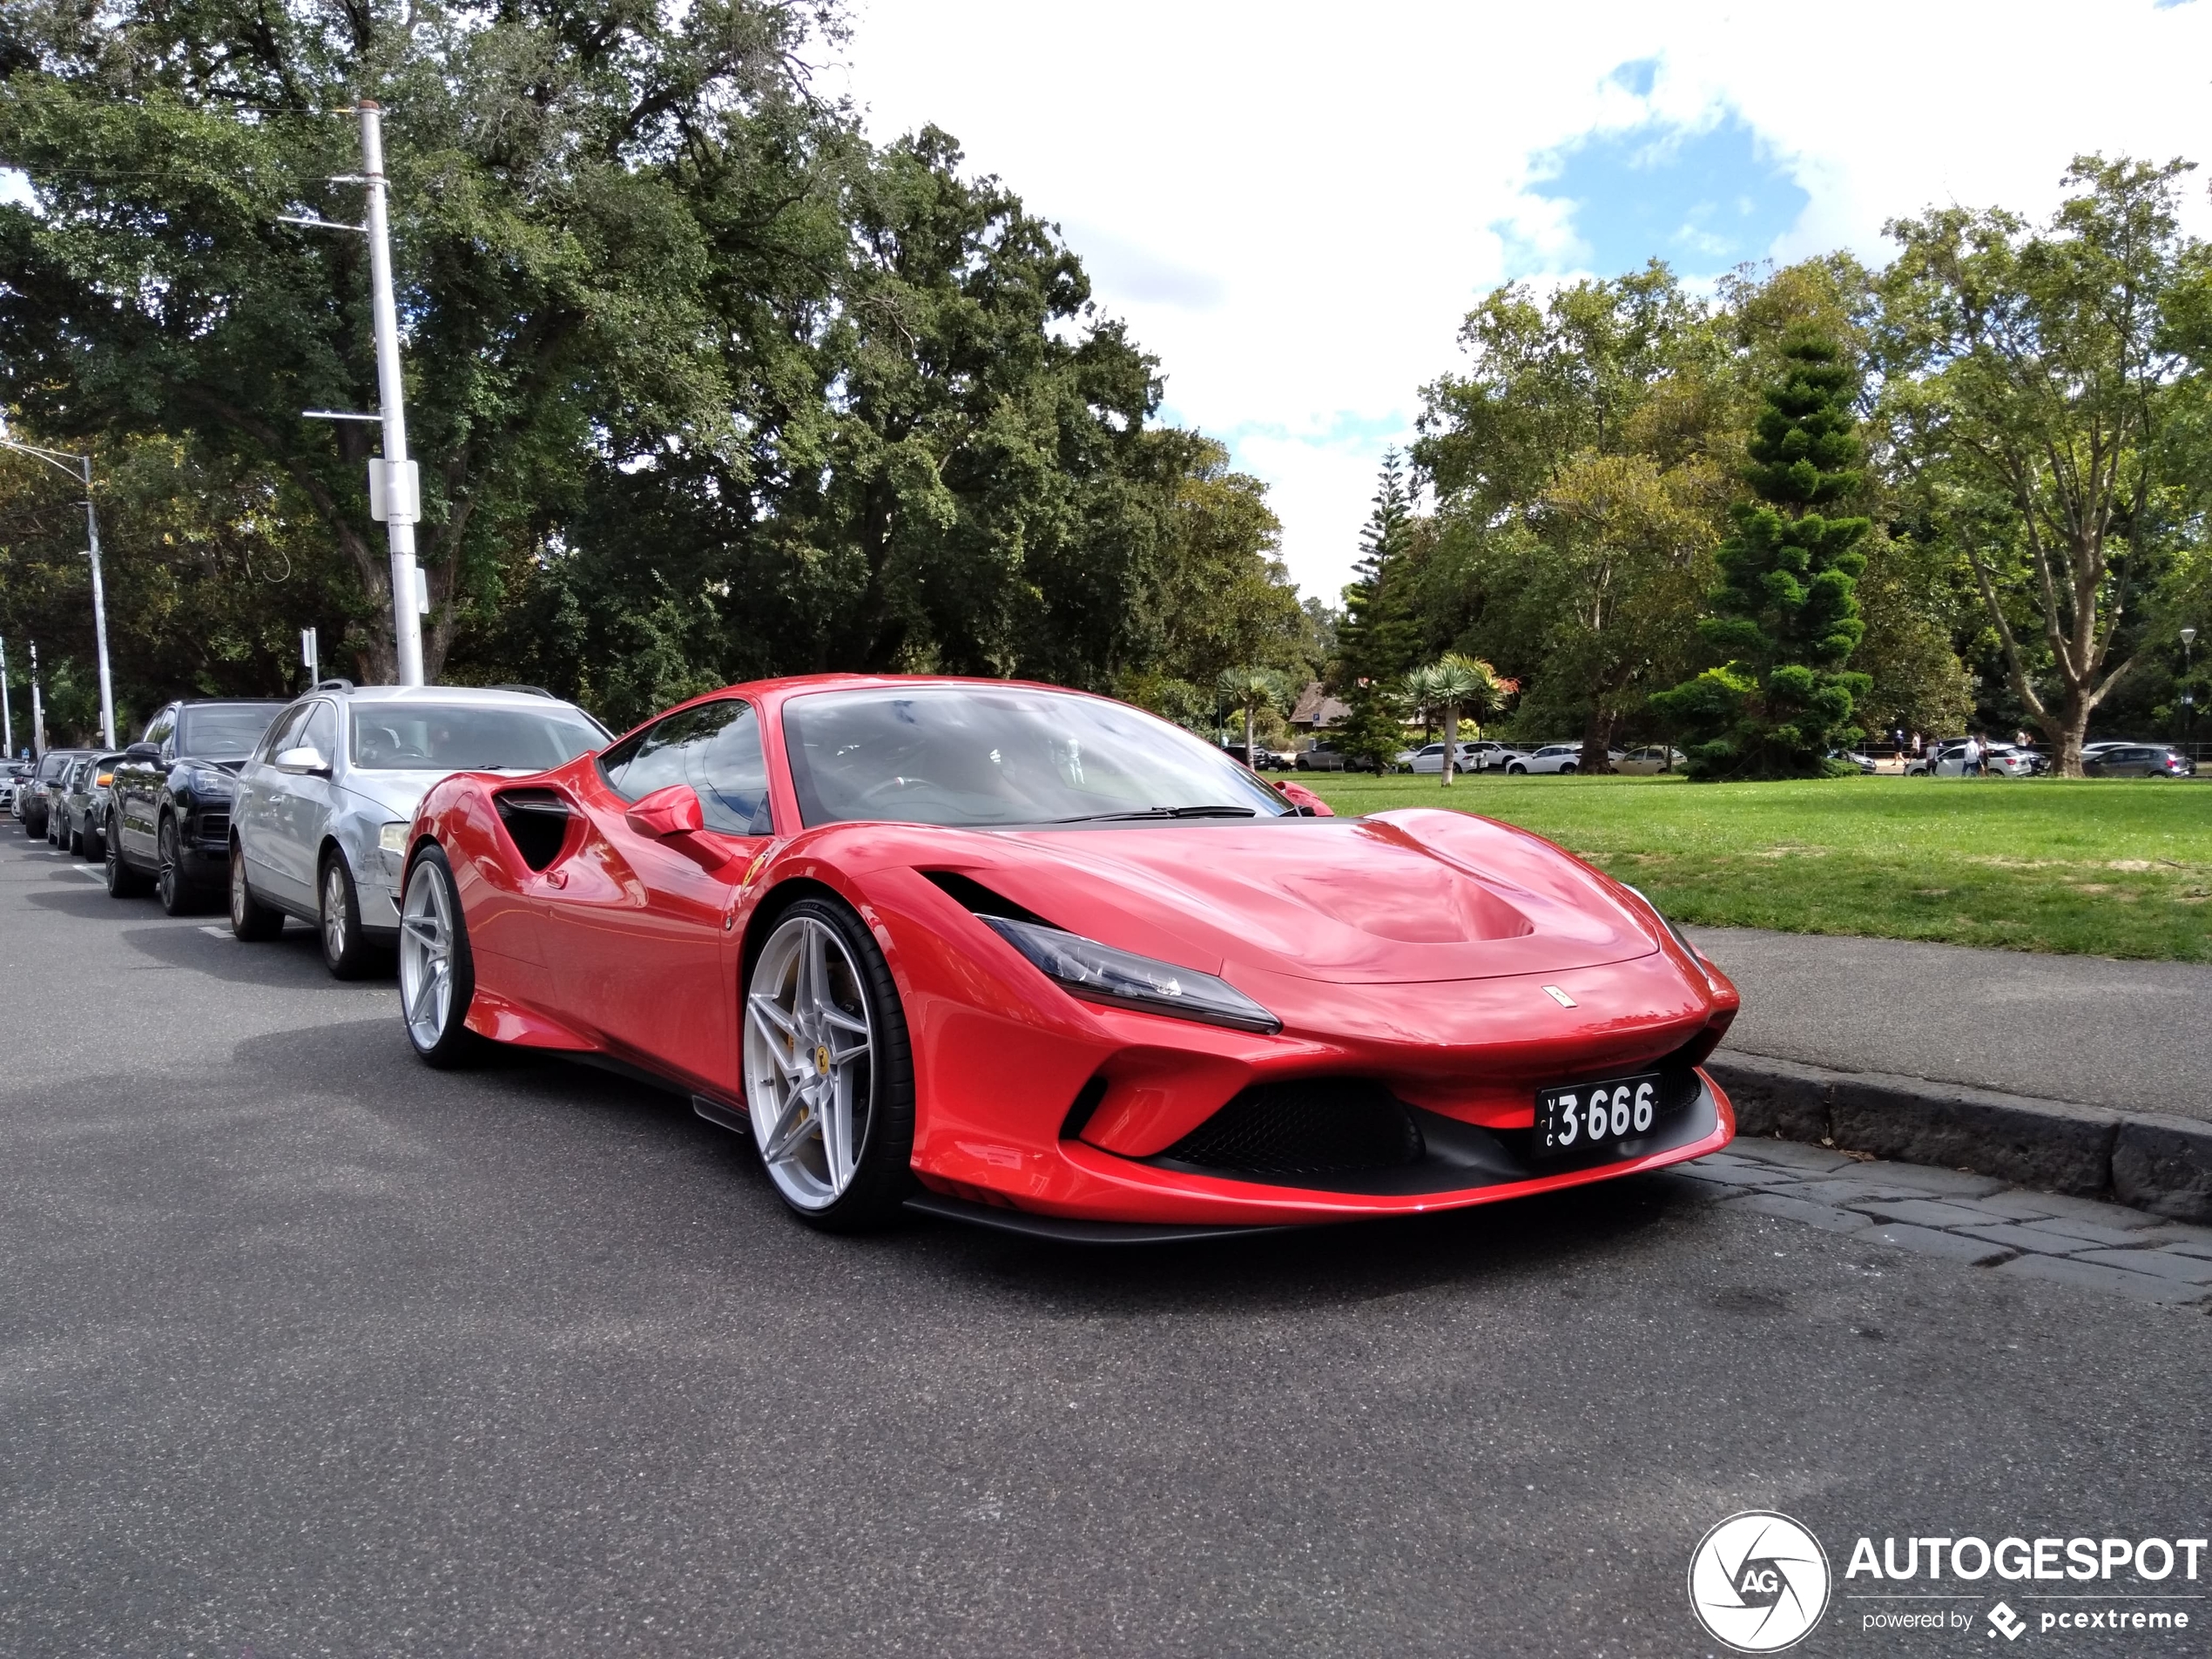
pixel 639 936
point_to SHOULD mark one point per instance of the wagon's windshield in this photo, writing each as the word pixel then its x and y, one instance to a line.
pixel 415 737
pixel 224 731
pixel 976 756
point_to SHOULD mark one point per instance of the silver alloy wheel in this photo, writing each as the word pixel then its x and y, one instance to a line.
pixel 809 1062
pixel 425 954
pixel 334 912
pixel 239 900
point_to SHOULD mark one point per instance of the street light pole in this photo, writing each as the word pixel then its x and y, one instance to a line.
pixel 401 504
pixel 37 710
pixel 7 714
pixel 79 467
pixel 2189 696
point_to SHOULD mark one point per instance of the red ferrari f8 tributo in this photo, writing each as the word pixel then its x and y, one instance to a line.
pixel 1038 959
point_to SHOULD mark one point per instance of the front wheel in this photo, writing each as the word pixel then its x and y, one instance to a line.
pixel 122 881
pixel 1516 771
pixel 828 1070
pixel 251 919
pixel 346 949
pixel 169 879
pixel 437 973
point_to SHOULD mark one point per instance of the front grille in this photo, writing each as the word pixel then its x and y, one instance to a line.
pixel 214 826
pixel 1317 1126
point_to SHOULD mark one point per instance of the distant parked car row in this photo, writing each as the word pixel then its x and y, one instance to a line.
pixel 294 809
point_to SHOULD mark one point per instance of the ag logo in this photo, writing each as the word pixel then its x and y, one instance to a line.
pixel 1758 1583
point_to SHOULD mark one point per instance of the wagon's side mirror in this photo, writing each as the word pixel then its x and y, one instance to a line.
pixel 304 762
pixel 672 811
pixel 144 754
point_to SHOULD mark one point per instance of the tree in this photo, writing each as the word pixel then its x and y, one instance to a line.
pixel 2047 394
pixel 1785 615
pixel 1249 690
pixel 1377 639
pixel 557 286
pixel 1457 683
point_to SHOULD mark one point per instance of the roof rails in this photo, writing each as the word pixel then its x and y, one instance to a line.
pixel 530 690
pixel 332 686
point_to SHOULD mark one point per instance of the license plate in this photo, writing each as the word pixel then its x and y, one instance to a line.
pixel 1593 1120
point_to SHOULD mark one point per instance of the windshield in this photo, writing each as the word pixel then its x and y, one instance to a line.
pixel 224 731
pixel 416 737
pixel 980 756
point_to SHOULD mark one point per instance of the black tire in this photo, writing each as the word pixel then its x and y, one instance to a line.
pixel 122 881
pixel 176 894
pixel 1566 770
pixel 883 1172
pixel 251 919
pixel 345 948
pixel 453 1044
pixel 1517 770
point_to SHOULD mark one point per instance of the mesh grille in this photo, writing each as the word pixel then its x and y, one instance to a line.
pixel 1319 1126
pixel 213 827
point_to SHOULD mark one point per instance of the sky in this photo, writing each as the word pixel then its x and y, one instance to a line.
pixel 1295 205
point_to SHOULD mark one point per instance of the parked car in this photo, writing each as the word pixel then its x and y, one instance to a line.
pixel 33 805
pixel 1324 756
pixel 319 814
pixel 1489 756
pixel 11 773
pixel 58 802
pixel 84 806
pixel 1948 759
pixel 1642 763
pixel 718 901
pixel 2139 760
pixel 169 806
pixel 1864 762
pixel 1561 758
pixel 1264 759
pixel 1430 760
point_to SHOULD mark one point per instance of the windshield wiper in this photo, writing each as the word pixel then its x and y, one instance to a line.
pixel 1164 812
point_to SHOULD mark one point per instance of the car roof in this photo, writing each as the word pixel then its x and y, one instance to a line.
pixel 472 696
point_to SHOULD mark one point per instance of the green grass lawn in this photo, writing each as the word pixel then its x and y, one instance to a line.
pixel 2118 868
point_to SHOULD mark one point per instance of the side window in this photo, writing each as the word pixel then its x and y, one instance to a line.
pixel 281 736
pixel 162 729
pixel 715 748
pixel 320 734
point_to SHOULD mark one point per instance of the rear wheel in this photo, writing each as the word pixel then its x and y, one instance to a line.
pixel 437 974
pixel 251 919
pixel 1566 769
pixel 122 881
pixel 828 1070
pixel 346 949
pixel 75 840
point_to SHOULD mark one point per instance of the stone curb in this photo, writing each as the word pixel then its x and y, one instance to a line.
pixel 2140 1159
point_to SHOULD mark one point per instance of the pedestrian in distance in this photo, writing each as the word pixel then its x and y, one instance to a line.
pixel 1970 757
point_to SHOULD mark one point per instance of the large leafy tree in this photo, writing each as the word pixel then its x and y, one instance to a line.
pixel 2046 398
pixel 560 291
pixel 1785 613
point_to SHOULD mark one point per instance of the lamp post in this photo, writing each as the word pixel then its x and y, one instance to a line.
pixel 7 713
pixel 80 468
pixel 2189 696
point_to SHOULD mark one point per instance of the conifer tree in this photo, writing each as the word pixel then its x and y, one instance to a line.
pixel 1379 639
pixel 1785 616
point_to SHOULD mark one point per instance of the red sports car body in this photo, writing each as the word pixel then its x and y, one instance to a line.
pixel 857 918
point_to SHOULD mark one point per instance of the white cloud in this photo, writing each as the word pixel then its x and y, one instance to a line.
pixel 1294 206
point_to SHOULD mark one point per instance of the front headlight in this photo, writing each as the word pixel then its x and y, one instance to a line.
pixel 1102 974
pixel 207 784
pixel 392 837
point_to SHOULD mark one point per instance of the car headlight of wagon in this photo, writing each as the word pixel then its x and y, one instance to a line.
pixel 392 837
pixel 1100 973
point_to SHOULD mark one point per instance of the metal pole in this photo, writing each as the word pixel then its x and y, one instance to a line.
pixel 37 710
pixel 406 620
pixel 7 714
pixel 99 611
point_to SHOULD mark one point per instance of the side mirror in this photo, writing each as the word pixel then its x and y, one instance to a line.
pixel 672 811
pixel 144 754
pixel 305 763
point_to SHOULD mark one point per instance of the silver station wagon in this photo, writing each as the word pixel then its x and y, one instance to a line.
pixel 318 830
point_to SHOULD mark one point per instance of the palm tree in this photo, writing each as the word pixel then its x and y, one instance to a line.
pixel 1419 689
pixel 1462 682
pixel 1252 690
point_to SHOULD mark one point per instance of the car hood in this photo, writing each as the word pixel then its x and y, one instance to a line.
pixel 401 792
pixel 1403 897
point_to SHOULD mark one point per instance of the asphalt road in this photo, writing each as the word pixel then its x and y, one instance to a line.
pixel 307 1349
pixel 2130 1035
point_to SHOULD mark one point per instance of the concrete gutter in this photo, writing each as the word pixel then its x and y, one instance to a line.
pixel 2141 1159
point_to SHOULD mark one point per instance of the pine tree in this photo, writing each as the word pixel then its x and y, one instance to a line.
pixel 1785 616
pixel 1379 640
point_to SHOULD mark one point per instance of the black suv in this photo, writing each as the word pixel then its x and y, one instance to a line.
pixel 169 809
